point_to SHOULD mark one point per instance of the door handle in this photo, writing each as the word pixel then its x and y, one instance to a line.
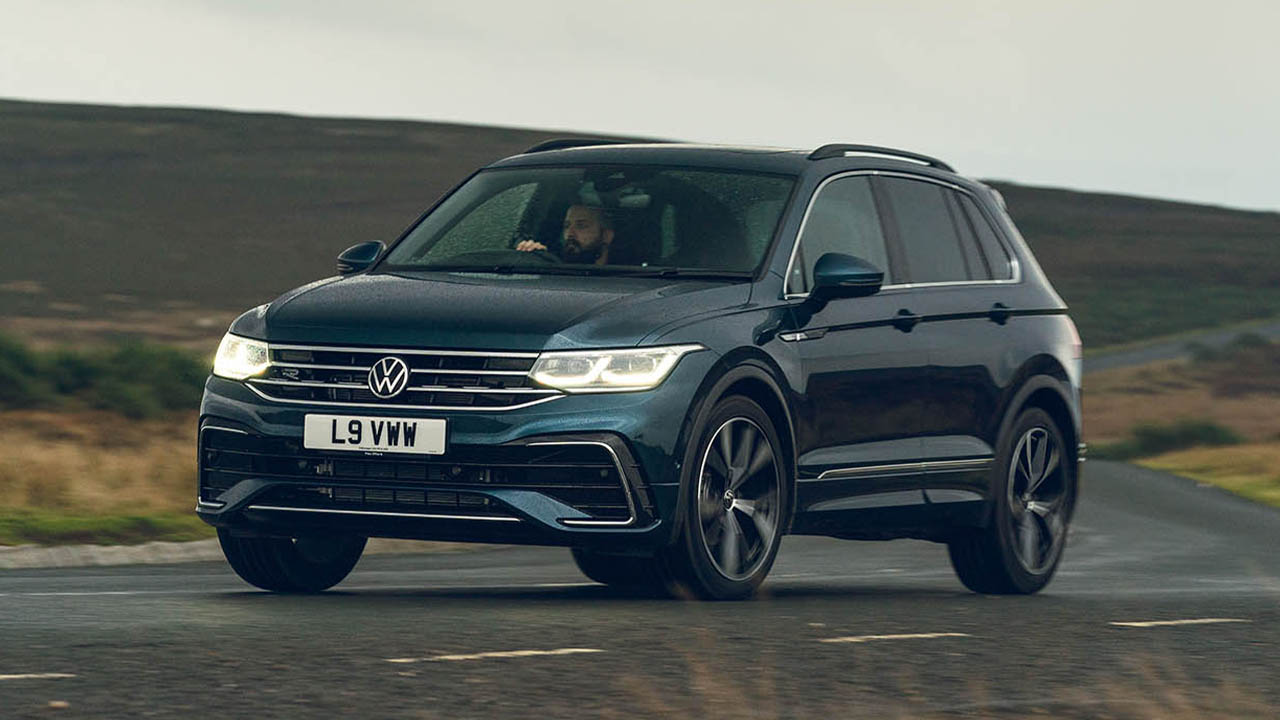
pixel 905 320
pixel 999 313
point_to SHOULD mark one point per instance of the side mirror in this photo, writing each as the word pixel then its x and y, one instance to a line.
pixel 359 257
pixel 837 275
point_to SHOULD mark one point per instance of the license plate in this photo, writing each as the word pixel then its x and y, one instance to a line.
pixel 373 434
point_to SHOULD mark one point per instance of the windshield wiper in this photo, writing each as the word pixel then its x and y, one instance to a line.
pixel 686 273
pixel 506 269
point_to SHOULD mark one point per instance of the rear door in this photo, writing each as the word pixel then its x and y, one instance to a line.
pixel 961 279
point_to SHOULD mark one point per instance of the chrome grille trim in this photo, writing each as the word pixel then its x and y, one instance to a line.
pixel 401 406
pixel 404 351
pixel 317 383
pixel 473 389
pixel 464 372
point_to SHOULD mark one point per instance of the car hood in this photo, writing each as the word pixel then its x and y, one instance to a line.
pixel 485 311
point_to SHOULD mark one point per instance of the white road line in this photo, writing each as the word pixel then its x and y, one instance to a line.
pixel 499 654
pixel 904 636
pixel 1166 623
pixel 37 676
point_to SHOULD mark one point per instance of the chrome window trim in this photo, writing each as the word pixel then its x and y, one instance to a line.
pixel 934 466
pixel 426 516
pixel 401 406
pixel 622 477
pixel 1015 266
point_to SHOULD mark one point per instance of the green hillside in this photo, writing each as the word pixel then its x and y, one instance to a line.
pixel 1134 268
pixel 164 222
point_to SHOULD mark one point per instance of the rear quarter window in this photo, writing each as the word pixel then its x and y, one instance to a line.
pixel 992 248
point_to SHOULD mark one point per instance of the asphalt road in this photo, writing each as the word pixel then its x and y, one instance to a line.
pixel 1162 350
pixel 400 637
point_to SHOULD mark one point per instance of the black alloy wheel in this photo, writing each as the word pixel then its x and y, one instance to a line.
pixel 1034 491
pixel 645 575
pixel 1037 500
pixel 292 565
pixel 737 502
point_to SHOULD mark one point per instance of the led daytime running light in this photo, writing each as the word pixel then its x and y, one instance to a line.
pixel 608 370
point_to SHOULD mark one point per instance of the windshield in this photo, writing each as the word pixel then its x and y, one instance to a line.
pixel 600 219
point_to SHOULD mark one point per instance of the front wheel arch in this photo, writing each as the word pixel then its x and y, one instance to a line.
pixel 752 378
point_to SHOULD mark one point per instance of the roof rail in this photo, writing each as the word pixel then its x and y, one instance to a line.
pixel 563 143
pixel 835 150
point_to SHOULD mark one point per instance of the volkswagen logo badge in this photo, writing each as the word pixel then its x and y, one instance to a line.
pixel 388 377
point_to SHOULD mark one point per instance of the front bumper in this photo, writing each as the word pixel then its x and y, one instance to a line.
pixel 582 470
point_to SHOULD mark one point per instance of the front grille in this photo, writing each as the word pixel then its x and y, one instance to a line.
pixel 438 379
pixel 584 477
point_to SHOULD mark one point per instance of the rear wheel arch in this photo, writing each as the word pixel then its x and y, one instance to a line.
pixel 1044 384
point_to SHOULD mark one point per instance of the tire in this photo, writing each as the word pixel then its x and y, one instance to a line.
pixel 644 574
pixel 735 503
pixel 292 565
pixel 1034 489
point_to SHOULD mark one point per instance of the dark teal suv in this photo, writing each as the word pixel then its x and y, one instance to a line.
pixel 665 357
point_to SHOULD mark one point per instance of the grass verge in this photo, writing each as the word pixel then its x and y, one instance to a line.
pixel 1252 471
pixel 96 477
pixel 49 527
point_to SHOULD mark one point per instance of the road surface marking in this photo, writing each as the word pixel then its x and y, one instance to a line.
pixel 564 585
pixel 37 676
pixel 905 636
pixel 1192 621
pixel 499 654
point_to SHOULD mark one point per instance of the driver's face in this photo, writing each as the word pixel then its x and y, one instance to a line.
pixel 583 233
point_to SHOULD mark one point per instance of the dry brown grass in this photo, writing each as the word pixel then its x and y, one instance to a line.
pixel 96 462
pixel 1117 400
pixel 196 329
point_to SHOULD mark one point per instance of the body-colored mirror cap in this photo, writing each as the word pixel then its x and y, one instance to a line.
pixel 359 257
pixel 840 275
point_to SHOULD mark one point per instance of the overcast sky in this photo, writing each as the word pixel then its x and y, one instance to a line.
pixel 1165 98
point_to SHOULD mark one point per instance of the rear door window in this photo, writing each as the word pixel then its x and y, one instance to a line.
pixel 929 239
pixel 842 219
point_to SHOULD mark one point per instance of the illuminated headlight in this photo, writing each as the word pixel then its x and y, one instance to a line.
pixel 608 370
pixel 239 358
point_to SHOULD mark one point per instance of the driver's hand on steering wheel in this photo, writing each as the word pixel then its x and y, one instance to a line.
pixel 530 246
